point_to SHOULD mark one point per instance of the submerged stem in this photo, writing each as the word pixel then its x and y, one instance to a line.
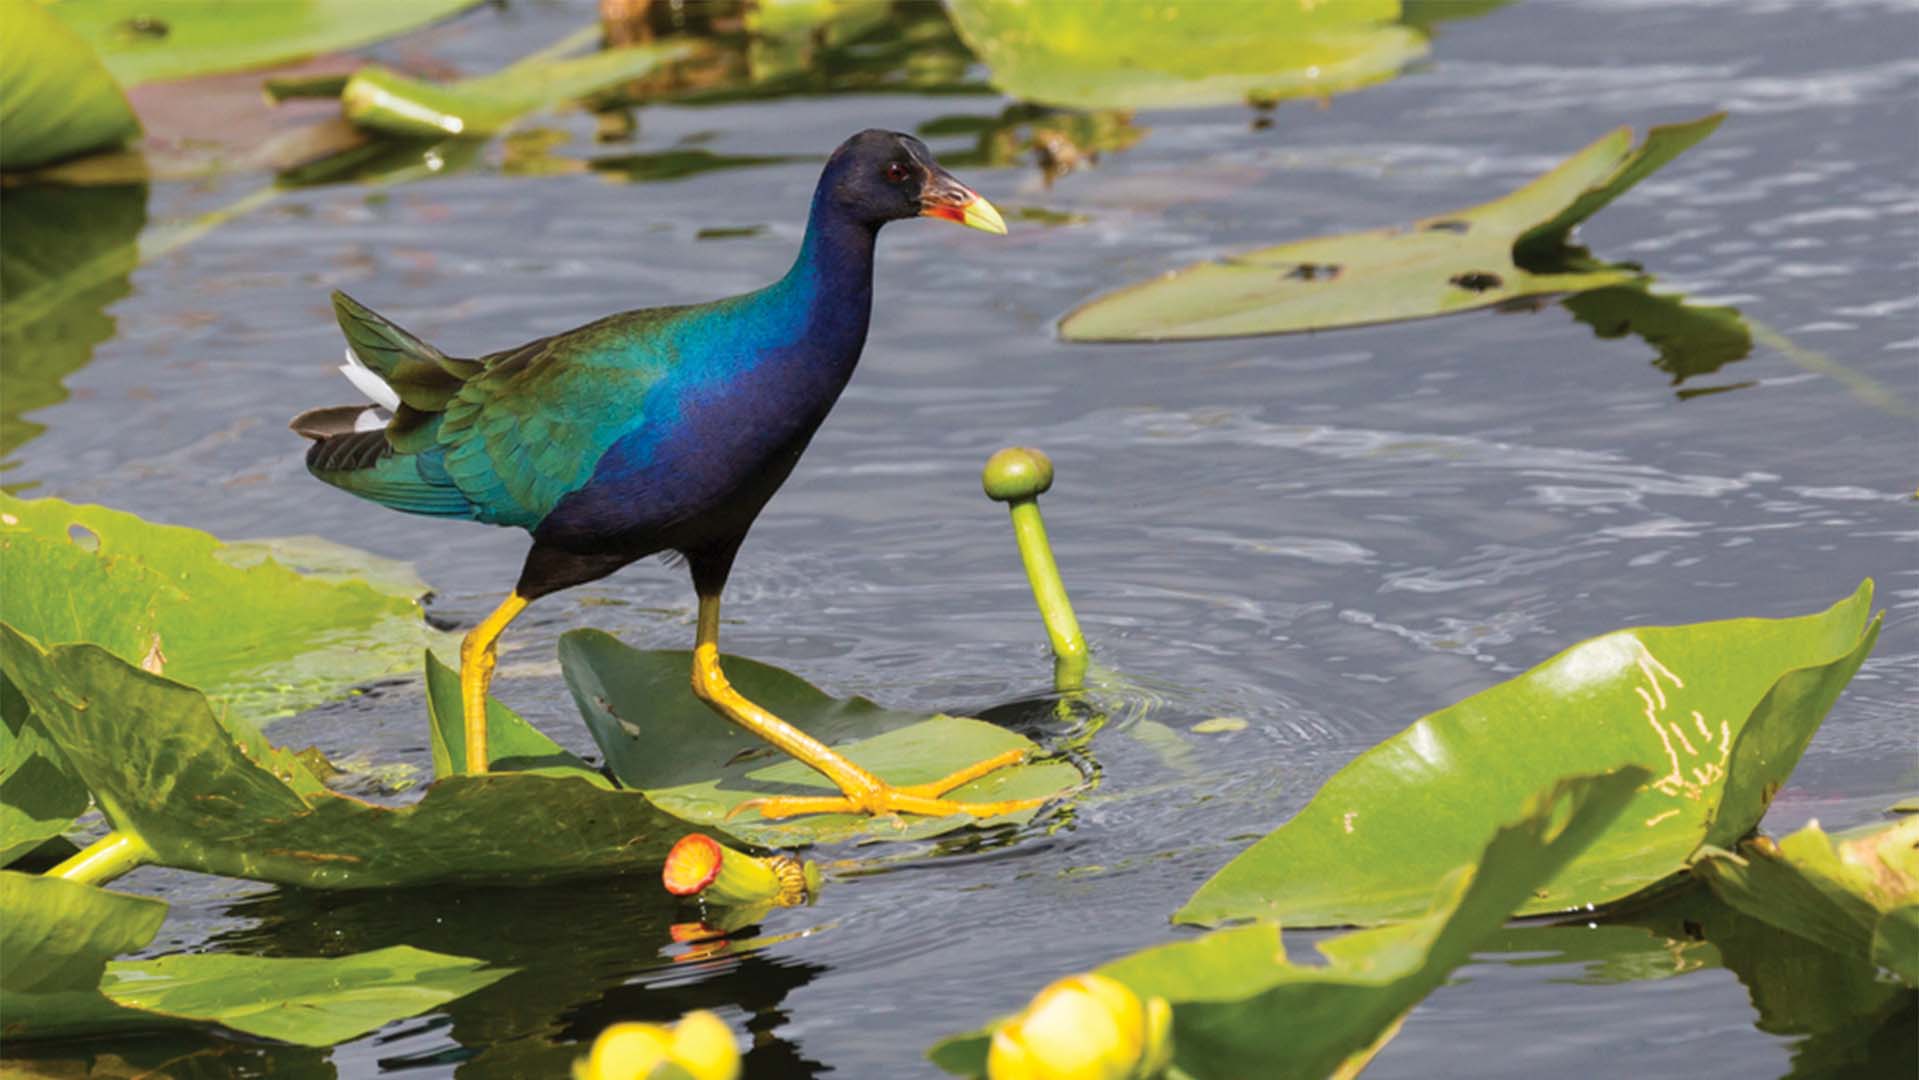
pixel 111 856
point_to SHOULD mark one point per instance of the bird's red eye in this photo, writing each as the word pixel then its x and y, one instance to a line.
pixel 897 172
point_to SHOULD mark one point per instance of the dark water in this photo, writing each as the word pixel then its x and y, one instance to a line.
pixel 1327 536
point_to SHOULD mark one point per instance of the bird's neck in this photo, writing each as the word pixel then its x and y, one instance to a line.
pixel 829 290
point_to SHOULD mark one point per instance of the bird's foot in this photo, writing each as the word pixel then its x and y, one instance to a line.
pixel 921 799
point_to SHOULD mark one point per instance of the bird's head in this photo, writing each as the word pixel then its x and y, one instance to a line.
pixel 881 176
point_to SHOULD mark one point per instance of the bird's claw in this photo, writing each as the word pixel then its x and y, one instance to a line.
pixel 923 800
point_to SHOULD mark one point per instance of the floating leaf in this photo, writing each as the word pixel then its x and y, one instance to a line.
pixel 58 937
pixel 394 104
pixel 39 795
pixel 210 795
pixel 1720 713
pixel 662 740
pixel 1489 254
pixel 258 638
pixel 1124 54
pixel 56 100
pixel 141 41
pixel 1241 1009
pixel 1858 897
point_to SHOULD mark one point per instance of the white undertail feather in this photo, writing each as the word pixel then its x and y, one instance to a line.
pixel 369 383
pixel 373 418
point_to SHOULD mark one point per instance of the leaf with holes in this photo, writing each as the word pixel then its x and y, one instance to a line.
pixel 1119 54
pixel 260 639
pixel 1241 1009
pixel 660 739
pixel 1856 894
pixel 1505 250
pixel 204 793
pixel 60 980
pixel 1719 712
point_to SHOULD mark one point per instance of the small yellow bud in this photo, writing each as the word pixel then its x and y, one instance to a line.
pixel 1085 1027
pixel 700 1046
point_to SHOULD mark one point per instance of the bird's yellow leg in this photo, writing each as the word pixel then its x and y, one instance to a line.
pixel 862 792
pixel 476 671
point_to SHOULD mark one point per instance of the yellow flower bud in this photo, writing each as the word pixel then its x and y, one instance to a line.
pixel 1085 1027
pixel 700 1046
pixel 703 1045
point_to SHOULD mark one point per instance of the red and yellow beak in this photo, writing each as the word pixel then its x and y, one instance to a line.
pixel 945 197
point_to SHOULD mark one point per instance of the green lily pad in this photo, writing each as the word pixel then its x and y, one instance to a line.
pixel 204 793
pixel 59 981
pixel 1122 54
pixel 1241 1009
pixel 1719 712
pixel 258 638
pixel 56 99
pixel 1858 897
pixel 384 101
pixel 1489 254
pixel 39 795
pixel 665 742
pixel 141 41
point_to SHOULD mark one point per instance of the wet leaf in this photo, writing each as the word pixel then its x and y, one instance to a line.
pixel 1858 897
pixel 141 41
pixel 1105 54
pixel 56 99
pixel 260 639
pixel 660 739
pixel 60 981
pixel 1241 1009
pixel 394 104
pixel 39 795
pixel 1719 712
pixel 211 795
pixel 66 259
pixel 1689 339
pixel 1489 254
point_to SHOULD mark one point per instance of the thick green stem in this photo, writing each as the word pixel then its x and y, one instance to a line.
pixel 1062 626
pixel 109 857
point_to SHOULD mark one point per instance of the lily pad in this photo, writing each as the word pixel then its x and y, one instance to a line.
pixel 665 742
pixel 204 793
pixel 1858 897
pixel 141 41
pixel 384 101
pixel 258 638
pixel 59 982
pixel 56 99
pixel 1241 1009
pixel 39 795
pixel 1125 54
pixel 1719 712
pixel 1496 252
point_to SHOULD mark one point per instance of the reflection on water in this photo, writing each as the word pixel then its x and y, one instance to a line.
pixel 65 259
pixel 587 955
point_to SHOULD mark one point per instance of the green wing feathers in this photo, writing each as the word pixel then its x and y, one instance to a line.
pixel 501 439
pixel 425 378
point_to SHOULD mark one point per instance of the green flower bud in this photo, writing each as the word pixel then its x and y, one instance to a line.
pixel 1085 1027
pixel 703 867
pixel 1016 473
